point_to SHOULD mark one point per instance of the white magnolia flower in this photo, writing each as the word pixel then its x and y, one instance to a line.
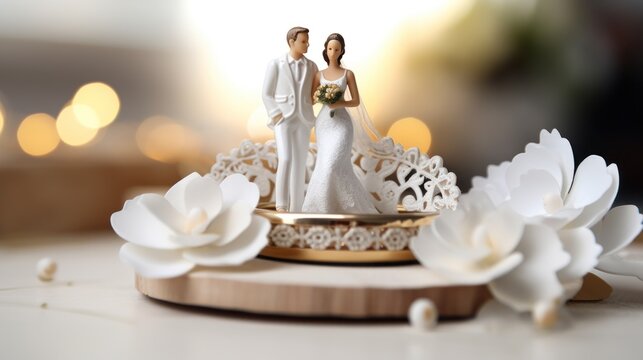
pixel 480 243
pixel 541 185
pixel 197 222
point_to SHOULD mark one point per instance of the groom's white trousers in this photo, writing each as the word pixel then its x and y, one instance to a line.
pixel 293 139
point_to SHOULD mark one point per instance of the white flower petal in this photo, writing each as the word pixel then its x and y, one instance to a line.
pixel 536 158
pixel 528 199
pixel 614 264
pixel 193 240
pixel 236 187
pixel 496 195
pixel 590 182
pixel 571 288
pixel 136 224
pixel 618 228
pixel 455 229
pixel 450 224
pixel 479 182
pixel 479 276
pixel 231 222
pixel 471 245
pixel 476 201
pixel 160 207
pixel 204 193
pixel 557 220
pixel 153 263
pixel 563 150
pixel 473 207
pixel 592 213
pixel 438 253
pixel 534 280
pixel 505 229
pixel 176 194
pixel 495 184
pixel 245 247
pixel 581 245
pixel 498 174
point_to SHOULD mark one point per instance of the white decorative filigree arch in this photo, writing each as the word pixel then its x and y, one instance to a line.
pixel 393 176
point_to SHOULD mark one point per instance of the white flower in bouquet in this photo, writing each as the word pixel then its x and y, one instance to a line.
pixel 199 221
pixel 328 94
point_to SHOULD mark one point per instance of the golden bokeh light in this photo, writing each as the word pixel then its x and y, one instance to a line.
pixel 37 134
pixel 257 127
pixel 100 98
pixel 411 132
pixel 71 130
pixel 1 118
pixel 85 115
pixel 162 139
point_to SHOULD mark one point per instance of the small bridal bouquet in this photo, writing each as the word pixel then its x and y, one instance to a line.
pixel 328 94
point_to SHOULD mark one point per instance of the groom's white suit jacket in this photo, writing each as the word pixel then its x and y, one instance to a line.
pixel 283 94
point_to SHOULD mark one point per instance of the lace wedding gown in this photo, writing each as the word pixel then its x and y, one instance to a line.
pixel 334 187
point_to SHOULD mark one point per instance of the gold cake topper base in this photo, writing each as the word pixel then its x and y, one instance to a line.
pixel 341 238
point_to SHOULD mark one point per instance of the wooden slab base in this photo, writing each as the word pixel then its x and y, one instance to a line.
pixel 281 288
pixel 594 289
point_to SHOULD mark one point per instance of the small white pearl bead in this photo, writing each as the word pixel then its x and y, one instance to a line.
pixel 46 268
pixel 423 314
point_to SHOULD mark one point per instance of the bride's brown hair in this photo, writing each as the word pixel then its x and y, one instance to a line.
pixel 338 37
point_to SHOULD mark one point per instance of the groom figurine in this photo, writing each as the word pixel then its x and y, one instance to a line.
pixel 287 96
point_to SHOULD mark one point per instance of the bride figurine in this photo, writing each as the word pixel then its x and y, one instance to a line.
pixel 334 186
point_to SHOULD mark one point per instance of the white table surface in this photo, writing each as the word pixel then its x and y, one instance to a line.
pixel 92 311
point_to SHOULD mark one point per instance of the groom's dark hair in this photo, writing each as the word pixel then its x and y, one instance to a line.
pixel 292 33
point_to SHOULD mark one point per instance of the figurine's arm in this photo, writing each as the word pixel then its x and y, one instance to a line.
pixel 316 83
pixel 268 93
pixel 352 86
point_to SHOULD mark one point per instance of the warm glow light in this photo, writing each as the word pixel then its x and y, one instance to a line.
pixel 1 118
pixel 100 98
pixel 237 52
pixel 411 132
pixel 70 129
pixel 86 116
pixel 162 139
pixel 37 134
pixel 224 34
pixel 257 126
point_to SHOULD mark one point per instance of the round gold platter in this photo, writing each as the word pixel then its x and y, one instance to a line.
pixel 341 238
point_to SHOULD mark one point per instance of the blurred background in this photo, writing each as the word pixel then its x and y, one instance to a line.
pixel 100 99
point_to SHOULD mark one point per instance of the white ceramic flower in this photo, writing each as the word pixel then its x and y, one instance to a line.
pixel 197 222
pixel 540 184
pixel 479 243
pixel 615 231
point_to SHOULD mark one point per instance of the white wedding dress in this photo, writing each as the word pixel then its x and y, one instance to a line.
pixel 334 187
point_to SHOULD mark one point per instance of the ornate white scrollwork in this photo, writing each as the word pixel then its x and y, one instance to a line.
pixel 258 162
pixel 420 183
